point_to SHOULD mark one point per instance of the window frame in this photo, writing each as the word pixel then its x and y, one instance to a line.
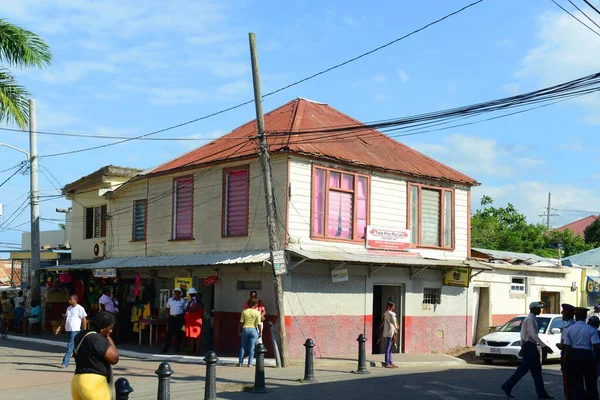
pixel 328 170
pixel 437 292
pixel 442 214
pixel 224 200
pixel 173 214
pixel 524 291
pixel 103 221
pixel 135 202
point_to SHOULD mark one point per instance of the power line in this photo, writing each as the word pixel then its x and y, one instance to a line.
pixel 274 91
pixel 580 21
pixel 11 176
pixel 14 166
pixel 579 211
pixel 591 5
pixel 581 11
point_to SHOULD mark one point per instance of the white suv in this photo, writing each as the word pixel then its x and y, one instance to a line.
pixel 505 343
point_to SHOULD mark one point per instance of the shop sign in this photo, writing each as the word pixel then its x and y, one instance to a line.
pixel 105 273
pixel 457 277
pixel 184 284
pixel 279 262
pixel 211 280
pixel 592 285
pixel 339 275
pixel 388 238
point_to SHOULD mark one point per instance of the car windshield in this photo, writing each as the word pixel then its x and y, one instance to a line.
pixel 514 325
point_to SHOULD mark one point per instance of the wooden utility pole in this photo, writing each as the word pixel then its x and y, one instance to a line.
pixel 265 163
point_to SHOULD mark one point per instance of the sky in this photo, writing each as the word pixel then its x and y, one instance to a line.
pixel 125 68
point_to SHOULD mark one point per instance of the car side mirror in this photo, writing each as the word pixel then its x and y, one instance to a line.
pixel 556 331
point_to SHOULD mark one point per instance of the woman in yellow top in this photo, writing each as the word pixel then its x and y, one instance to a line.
pixel 250 331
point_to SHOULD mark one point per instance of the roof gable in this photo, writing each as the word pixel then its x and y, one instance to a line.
pixel 578 227
pixel 366 147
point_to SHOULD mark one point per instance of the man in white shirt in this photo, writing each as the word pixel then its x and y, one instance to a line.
pixel 73 321
pixel 175 321
pixel 581 340
pixel 531 356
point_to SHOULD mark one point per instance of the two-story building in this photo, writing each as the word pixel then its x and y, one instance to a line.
pixel 202 215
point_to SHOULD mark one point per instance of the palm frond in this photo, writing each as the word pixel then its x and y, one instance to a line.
pixel 22 48
pixel 14 101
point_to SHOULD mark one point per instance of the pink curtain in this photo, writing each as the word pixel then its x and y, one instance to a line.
pixel 340 215
pixel 334 179
pixel 319 202
pixel 348 182
pixel 361 220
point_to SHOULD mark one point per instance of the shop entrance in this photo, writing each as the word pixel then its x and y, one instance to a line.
pixel 381 295
pixel 551 300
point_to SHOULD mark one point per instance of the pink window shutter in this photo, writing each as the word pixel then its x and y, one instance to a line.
pixel 319 202
pixel 237 203
pixel 184 208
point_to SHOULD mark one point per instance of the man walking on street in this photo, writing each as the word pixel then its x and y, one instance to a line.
pixel 73 321
pixel 531 356
pixel 568 311
pixel 175 320
pixel 581 340
pixel 390 328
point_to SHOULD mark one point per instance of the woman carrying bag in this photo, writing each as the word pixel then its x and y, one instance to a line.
pixel 95 352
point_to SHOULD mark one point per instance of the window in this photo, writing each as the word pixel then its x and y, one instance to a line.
pixel 249 285
pixel 235 201
pixel 517 285
pixel 340 204
pixel 183 208
pixel 432 296
pixel 430 216
pixel 557 323
pixel 140 208
pixel 95 222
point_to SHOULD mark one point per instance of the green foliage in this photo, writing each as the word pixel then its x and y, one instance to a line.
pixel 592 234
pixel 504 228
pixel 18 48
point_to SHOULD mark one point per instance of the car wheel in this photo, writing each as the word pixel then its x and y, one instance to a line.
pixel 488 362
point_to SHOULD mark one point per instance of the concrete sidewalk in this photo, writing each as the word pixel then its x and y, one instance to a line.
pixel 349 361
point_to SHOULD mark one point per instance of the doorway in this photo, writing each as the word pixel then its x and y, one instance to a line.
pixel 551 300
pixel 381 295
pixel 481 313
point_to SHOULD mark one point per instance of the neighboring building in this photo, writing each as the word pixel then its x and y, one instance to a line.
pixel 48 239
pixel 578 227
pixel 203 215
pixel 589 261
pixel 516 280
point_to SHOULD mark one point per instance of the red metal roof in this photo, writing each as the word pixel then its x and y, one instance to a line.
pixel 578 227
pixel 367 147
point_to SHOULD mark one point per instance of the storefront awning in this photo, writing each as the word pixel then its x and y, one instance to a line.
pixel 174 260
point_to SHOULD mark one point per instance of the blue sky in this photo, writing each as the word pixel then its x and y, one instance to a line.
pixel 127 68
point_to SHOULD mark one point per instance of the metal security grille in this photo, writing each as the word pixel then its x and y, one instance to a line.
pixel 432 296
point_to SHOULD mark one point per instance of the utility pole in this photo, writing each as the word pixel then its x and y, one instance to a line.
pixel 34 266
pixel 265 164
pixel 548 213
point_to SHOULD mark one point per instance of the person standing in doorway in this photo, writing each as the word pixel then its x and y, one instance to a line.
pixel 390 330
pixel 568 312
pixel 175 321
pixel 531 356
pixel 260 307
pixel 250 330
pixel 73 321
pixel 106 302
pixel 581 340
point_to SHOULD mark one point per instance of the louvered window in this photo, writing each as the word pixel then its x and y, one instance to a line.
pixel 430 216
pixel 95 222
pixel 139 220
pixel 235 204
pixel 183 208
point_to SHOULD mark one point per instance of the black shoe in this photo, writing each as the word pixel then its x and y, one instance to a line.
pixel 546 396
pixel 506 391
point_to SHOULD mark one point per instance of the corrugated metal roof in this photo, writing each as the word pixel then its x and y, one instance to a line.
pixel 588 258
pixel 176 260
pixel 368 147
pixel 511 255
pixel 367 257
pixel 521 268
pixel 578 227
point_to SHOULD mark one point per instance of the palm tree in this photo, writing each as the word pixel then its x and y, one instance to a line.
pixel 18 48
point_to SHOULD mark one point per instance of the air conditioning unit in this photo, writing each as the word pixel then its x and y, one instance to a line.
pixel 98 250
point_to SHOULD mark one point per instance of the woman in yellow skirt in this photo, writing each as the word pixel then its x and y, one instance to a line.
pixel 95 352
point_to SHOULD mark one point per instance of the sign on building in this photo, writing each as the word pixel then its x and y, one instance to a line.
pixel 457 277
pixel 592 285
pixel 339 275
pixel 279 262
pixel 388 238
pixel 105 273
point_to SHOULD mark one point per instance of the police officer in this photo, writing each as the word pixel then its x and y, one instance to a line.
pixel 580 342
pixel 531 356
pixel 568 311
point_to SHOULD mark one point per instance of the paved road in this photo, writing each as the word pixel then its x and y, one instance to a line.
pixel 29 371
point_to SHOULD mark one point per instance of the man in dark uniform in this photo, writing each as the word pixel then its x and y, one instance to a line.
pixel 581 340
pixel 568 311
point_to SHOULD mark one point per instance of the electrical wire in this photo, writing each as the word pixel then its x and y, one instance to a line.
pixel 592 6
pixel 11 176
pixel 14 166
pixel 581 11
pixel 580 21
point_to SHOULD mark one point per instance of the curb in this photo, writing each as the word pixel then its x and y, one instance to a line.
pixel 269 362
pixel 379 364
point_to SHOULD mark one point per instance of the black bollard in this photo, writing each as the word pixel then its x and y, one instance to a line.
pixel 309 370
pixel 122 389
pixel 362 355
pixel 164 373
pixel 259 373
pixel 210 383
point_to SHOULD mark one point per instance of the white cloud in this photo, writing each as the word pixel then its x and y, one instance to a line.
pixel 479 156
pixel 74 71
pixel 403 75
pixel 512 88
pixel 531 198
pixel 168 96
pixel 380 97
pixel 234 88
pixel 573 144
pixel 378 79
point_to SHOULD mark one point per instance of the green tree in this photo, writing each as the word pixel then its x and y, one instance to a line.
pixel 592 233
pixel 19 48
